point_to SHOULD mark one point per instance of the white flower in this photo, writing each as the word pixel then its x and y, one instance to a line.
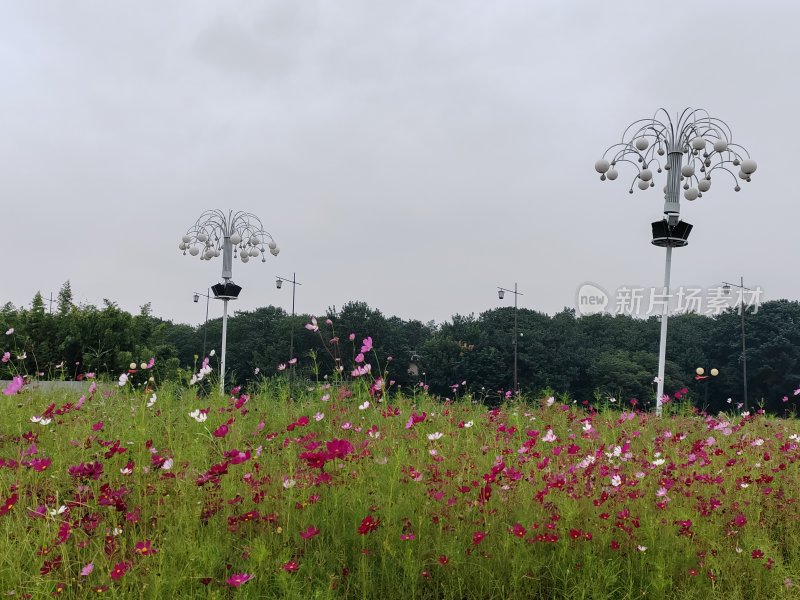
pixel 326 397
pixel 587 426
pixel 289 483
pixel 212 353
pixel 319 416
pixel 364 406
pixel 167 464
pixel 616 480
pixel 658 462
pixel 198 415
pixel 10 331
pixel 45 421
pixel 116 531
pixel 468 424
pixel 126 470
pixel 435 436
pixel 549 436
pixel 152 401
pixel 550 401
pixel 641 548
pixel 757 442
pixel 58 511
pixel 123 379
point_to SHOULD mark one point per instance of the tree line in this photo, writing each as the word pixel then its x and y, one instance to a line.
pixel 585 358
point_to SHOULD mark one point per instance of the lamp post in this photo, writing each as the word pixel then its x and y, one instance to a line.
pixel 501 292
pixel 700 375
pixel 278 283
pixel 205 325
pixel 689 163
pixel 726 287
pixel 234 234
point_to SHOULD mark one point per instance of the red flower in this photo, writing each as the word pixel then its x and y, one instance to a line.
pixel 757 553
pixel 8 504
pixel 238 579
pixel 291 567
pixel 145 548
pixel 518 530
pixel 368 524
pixel 119 570
pixel 477 537
pixel 309 532
pixel 221 432
pixel 443 560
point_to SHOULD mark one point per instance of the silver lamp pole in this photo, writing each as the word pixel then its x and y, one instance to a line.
pixel 205 325
pixel 727 289
pixel 235 234
pixel 501 292
pixel 695 144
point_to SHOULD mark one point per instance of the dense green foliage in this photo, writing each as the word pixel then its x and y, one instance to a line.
pixel 588 357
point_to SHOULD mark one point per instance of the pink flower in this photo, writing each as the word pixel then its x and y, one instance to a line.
pixel 151 363
pixel 238 579
pixel 87 570
pixel 313 325
pixel 10 331
pixel 351 337
pixel 6 357
pixel 14 386
pixel 366 345
pixel 282 367
pixel 293 361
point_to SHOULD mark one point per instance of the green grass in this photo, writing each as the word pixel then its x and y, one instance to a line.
pixel 393 476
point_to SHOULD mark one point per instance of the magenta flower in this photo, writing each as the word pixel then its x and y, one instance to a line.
pixel 309 532
pixel 6 357
pixel 366 345
pixel 87 570
pixel 238 579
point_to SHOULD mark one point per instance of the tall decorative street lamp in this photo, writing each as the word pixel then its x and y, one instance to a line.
pixel 235 234
pixel 501 292
pixel 205 325
pixel 278 283
pixel 696 145
pixel 726 287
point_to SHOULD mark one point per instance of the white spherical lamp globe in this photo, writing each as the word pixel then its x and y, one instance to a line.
pixel 690 194
pixel 749 166
pixel 698 143
pixel 687 170
pixel 602 165
pixel 202 237
pixel 720 146
pixel 186 239
pixel 236 239
pixel 272 245
pixel 182 246
pixel 641 143
pixel 612 174
pixel 209 254
pixel 255 241
pixel 274 251
pixel 645 174
pixel 704 185
pixel 643 185
pixel 194 250
pixel 244 257
pixel 253 252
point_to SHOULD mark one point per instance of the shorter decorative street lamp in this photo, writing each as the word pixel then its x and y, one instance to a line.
pixel 701 376
pixel 501 292
pixel 234 234
pixel 726 287
pixel 278 284
pixel 205 325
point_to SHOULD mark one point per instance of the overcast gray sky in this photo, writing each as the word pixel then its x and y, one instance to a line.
pixel 414 155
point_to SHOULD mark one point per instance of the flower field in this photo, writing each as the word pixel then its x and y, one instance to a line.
pixel 344 494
